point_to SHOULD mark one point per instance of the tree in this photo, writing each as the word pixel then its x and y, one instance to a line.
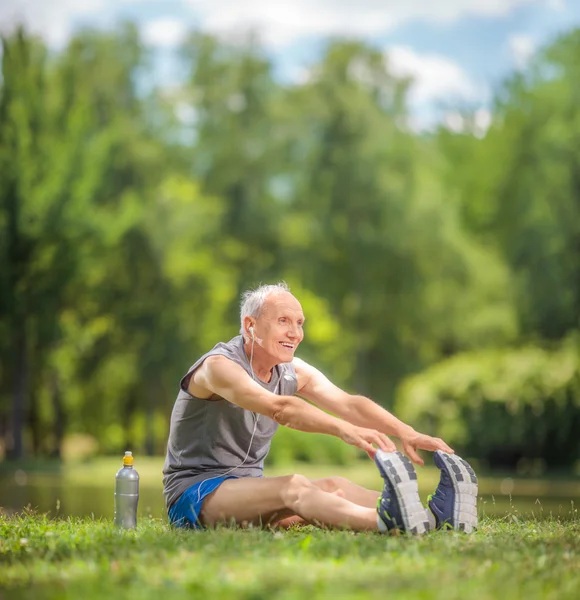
pixel 380 241
pixel 522 192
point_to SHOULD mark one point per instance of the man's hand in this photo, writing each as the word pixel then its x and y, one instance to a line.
pixel 364 438
pixel 419 441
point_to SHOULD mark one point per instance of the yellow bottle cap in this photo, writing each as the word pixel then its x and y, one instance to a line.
pixel 128 459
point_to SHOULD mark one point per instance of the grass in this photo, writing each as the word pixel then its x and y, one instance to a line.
pixel 509 556
pixel 89 559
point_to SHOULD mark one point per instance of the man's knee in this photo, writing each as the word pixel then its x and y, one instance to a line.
pixel 293 490
pixel 332 484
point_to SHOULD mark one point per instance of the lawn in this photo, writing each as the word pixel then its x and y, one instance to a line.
pixel 83 558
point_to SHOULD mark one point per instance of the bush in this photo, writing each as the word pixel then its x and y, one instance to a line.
pixel 289 446
pixel 502 406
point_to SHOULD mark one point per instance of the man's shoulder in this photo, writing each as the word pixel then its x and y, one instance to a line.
pixel 220 362
pixel 230 346
pixel 223 354
pixel 301 366
pixel 216 359
pixel 231 350
pixel 298 363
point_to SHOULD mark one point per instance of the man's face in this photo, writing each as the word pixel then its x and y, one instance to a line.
pixel 278 329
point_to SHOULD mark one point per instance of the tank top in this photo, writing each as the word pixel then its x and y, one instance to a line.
pixel 209 437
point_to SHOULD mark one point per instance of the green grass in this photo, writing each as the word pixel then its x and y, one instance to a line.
pixel 82 558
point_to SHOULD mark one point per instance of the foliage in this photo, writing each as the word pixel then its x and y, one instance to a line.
pixel 502 405
pixel 63 559
pixel 132 216
pixel 290 446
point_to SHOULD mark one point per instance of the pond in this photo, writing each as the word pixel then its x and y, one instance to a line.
pixel 88 490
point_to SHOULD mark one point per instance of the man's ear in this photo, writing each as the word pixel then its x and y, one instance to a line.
pixel 248 329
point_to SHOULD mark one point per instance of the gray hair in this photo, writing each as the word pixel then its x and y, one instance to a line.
pixel 253 300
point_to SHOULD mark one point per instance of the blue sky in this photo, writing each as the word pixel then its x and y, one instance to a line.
pixel 457 51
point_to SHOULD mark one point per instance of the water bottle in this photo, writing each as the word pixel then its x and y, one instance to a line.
pixel 126 494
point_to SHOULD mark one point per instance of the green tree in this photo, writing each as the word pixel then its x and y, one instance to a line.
pixel 372 232
pixel 522 191
pixel 76 154
pixel 237 151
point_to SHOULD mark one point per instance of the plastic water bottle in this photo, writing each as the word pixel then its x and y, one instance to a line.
pixel 126 494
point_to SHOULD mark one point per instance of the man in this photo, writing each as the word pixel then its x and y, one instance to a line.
pixel 231 402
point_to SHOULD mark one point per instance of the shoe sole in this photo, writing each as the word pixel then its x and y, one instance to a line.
pixel 465 486
pixel 399 471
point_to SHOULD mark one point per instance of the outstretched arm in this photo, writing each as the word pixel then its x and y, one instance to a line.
pixel 221 376
pixel 363 412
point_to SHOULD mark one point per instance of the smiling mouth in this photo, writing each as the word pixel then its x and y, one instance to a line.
pixel 287 345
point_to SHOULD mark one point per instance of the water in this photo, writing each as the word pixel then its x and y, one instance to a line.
pixel 62 500
pixel 53 494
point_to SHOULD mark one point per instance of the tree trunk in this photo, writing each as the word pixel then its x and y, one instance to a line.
pixel 128 412
pixel 149 422
pixel 20 391
pixel 59 425
pixel 34 424
pixel 33 419
pixel 16 252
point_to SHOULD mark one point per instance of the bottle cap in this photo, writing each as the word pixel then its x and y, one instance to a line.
pixel 128 459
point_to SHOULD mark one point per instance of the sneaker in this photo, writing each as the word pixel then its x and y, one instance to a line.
pixel 399 506
pixel 454 503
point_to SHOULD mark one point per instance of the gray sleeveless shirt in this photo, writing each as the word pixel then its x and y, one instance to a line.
pixel 209 437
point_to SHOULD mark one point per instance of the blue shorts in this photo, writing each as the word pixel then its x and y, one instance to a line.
pixel 185 511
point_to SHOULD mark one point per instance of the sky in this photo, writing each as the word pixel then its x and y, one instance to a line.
pixel 456 51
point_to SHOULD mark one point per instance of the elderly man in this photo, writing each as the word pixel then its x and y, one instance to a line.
pixel 232 400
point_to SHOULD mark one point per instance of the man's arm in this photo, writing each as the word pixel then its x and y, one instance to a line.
pixel 228 380
pixel 361 411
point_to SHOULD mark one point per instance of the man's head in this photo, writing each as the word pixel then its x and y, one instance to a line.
pixel 272 318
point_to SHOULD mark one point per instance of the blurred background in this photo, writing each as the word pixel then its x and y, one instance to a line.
pixel 412 172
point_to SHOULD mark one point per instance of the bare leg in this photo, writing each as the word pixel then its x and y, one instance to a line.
pixel 265 500
pixel 341 487
pixel 295 519
pixel 353 492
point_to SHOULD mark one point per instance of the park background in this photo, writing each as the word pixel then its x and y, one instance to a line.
pixel 428 219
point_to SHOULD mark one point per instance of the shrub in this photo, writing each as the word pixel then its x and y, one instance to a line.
pixel 502 406
pixel 290 446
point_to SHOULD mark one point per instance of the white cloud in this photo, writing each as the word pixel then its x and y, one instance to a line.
pixel 52 20
pixel 435 78
pixel 522 47
pixel 476 123
pixel 482 121
pixel 558 5
pixel 164 32
pixel 286 21
pixel 185 112
pixel 439 86
pixel 300 75
pixel 280 22
pixel 454 120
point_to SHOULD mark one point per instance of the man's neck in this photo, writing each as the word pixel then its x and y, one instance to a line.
pixel 260 364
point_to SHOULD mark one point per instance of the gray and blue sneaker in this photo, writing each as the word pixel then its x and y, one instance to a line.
pixel 399 506
pixel 454 503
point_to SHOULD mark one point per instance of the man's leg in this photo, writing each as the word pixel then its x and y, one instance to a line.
pixel 351 491
pixel 268 500
pixel 341 487
pixel 261 501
